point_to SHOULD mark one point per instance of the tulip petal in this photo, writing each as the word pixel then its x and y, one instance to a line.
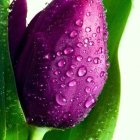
pixel 17 25
pixel 101 122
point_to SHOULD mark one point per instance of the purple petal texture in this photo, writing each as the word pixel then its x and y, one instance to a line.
pixel 17 25
pixel 63 65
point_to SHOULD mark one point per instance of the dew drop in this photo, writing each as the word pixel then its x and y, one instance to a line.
pixel 59 53
pixel 100 15
pixel 79 22
pixel 91 1
pixel 63 78
pixel 105 36
pixel 86 40
pixel 85 45
pixel 73 66
pixel 82 71
pixel 50 56
pixel 98 40
pixel 54 80
pixel 102 74
pixel 61 63
pixel 72 83
pixel 60 99
pixel 96 60
pixel 94 34
pixel 95 88
pixel 107 65
pixel 100 50
pixel 89 59
pixel 80 44
pixel 88 29
pixel 79 58
pixel 88 14
pixel 98 29
pixel 71 100
pixel 90 79
pixel 70 73
pixel 90 102
pixel 68 50
pixel 66 115
pixel 87 89
pixel 73 34
pixel 63 85
pixel 56 72
pixel 91 43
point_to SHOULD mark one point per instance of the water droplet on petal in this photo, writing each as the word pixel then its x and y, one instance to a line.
pixel 73 66
pixel 72 83
pixel 79 44
pixel 85 45
pixel 68 50
pixel 56 72
pixel 79 58
pixel 90 102
pixel 107 65
pixel 98 29
pixel 96 60
pixel 91 43
pixel 88 14
pixel 71 100
pixel 50 56
pixel 89 59
pixel 95 88
pixel 100 15
pixel 91 1
pixel 73 34
pixel 100 50
pixel 54 80
pixel 88 89
pixel 82 71
pixel 94 34
pixel 61 63
pixel 63 78
pixel 63 85
pixel 67 115
pixel 105 36
pixel 98 40
pixel 86 40
pixel 90 79
pixel 79 22
pixel 60 99
pixel 59 53
pixel 70 73
pixel 102 73
pixel 88 29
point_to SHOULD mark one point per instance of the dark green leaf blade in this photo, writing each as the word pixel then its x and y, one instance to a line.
pixel 3 43
pixel 12 121
pixel 101 122
pixel 117 15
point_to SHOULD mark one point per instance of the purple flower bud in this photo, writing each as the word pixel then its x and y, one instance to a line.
pixel 63 65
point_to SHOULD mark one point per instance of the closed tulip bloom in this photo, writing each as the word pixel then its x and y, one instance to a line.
pixel 61 63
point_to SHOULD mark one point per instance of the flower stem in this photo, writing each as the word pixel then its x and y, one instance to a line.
pixel 37 133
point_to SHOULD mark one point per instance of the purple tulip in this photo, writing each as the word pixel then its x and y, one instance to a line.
pixel 60 63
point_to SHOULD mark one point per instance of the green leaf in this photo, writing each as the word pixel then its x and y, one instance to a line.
pixel 12 121
pixel 101 122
